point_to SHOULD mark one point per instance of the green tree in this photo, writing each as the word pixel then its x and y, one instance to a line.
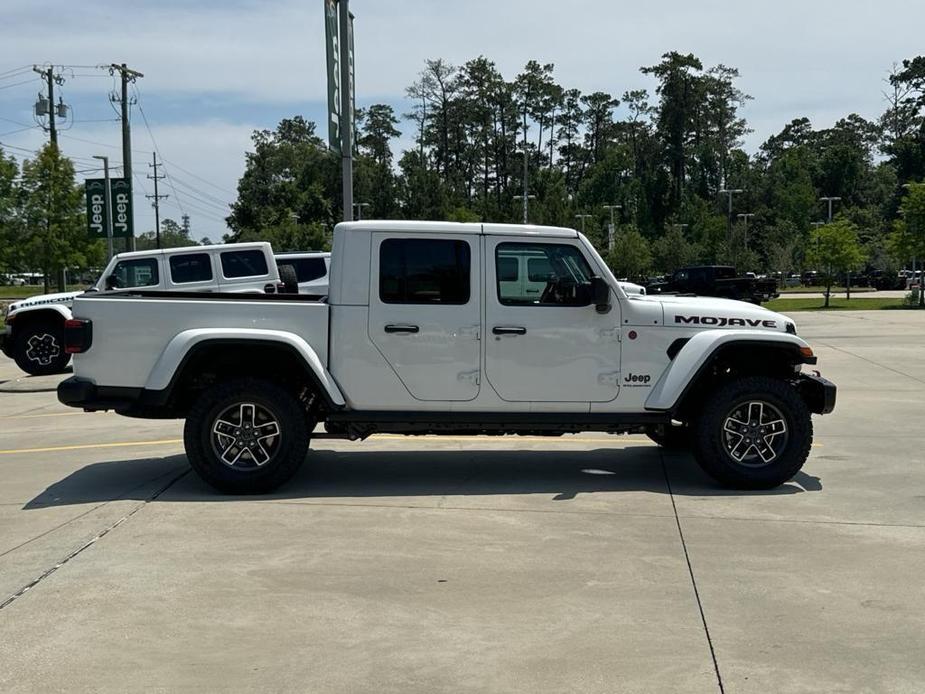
pixel 913 223
pixel 172 236
pixel 835 250
pixel 672 250
pixel 631 256
pixel 290 191
pixel 53 216
pixel 10 228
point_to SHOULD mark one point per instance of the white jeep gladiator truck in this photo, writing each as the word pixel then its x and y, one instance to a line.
pixel 438 328
pixel 34 327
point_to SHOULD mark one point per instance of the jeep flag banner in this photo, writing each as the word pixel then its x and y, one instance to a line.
pixel 121 194
pixel 332 39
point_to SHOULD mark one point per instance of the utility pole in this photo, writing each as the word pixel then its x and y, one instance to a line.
pixel 730 192
pixel 126 75
pixel 829 200
pixel 108 200
pixel 49 109
pixel 612 227
pixel 360 206
pixel 525 198
pixel 583 217
pixel 157 199
pixel 745 217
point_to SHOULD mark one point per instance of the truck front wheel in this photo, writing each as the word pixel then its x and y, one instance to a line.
pixel 38 347
pixel 753 433
pixel 246 437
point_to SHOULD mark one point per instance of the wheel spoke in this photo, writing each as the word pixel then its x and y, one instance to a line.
pixel 265 431
pixel 248 413
pixel 764 450
pixel 258 453
pixel 778 426
pixel 741 449
pixel 231 447
pixel 755 413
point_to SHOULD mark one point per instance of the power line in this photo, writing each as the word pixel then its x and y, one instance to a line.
pixel 19 84
pixel 15 70
pixel 199 178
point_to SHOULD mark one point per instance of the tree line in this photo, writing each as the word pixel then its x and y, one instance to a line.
pixel 482 141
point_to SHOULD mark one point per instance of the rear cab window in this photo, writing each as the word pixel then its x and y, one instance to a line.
pixel 190 267
pixel 424 271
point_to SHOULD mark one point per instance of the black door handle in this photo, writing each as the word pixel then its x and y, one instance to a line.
pixel 508 330
pixel 401 328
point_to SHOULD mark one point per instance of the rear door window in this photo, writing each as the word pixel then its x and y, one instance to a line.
pixel 249 263
pixel 129 274
pixel 193 267
pixel 306 269
pixel 424 271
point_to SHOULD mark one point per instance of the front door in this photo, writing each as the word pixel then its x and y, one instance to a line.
pixel 424 312
pixel 545 341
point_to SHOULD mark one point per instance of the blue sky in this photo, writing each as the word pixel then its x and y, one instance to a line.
pixel 215 71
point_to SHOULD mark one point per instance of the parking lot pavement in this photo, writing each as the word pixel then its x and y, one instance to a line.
pixel 587 563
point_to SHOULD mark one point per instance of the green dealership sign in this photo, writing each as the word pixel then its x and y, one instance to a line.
pixel 121 196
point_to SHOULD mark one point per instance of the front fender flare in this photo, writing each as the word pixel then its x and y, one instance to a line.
pixel 697 353
pixel 185 342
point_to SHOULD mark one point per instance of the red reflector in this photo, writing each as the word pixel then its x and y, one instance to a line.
pixel 78 335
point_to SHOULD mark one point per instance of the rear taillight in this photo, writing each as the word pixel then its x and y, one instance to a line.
pixel 78 335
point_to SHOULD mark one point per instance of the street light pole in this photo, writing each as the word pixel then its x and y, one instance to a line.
pixel 583 217
pixel 829 200
pixel 745 217
pixel 359 206
pixel 612 226
pixel 729 192
pixel 525 197
pixel 108 198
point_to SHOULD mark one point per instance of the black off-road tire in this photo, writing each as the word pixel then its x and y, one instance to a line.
pixel 38 347
pixel 203 444
pixel 711 446
pixel 289 279
pixel 672 437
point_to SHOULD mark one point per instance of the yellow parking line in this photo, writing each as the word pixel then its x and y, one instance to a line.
pixel 81 446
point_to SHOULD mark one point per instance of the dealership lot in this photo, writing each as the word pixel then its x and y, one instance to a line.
pixel 587 563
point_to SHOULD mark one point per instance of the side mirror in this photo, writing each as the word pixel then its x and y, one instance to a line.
pixel 600 293
pixel 110 282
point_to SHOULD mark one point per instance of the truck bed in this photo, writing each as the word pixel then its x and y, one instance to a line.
pixel 136 340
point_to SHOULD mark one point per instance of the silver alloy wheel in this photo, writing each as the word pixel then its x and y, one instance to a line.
pixel 245 435
pixel 755 433
pixel 42 349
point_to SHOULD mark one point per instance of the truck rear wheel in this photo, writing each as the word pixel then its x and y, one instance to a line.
pixel 753 433
pixel 38 347
pixel 246 437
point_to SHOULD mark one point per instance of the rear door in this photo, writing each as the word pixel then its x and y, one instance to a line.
pixel 544 341
pixel 191 272
pixel 424 312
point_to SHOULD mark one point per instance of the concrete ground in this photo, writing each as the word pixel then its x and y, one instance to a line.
pixel 584 564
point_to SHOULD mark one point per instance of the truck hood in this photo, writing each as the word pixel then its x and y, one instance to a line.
pixel 43 299
pixel 711 312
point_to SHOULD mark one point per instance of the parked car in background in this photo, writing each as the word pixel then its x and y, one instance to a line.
pixel 34 327
pixel 717 280
pixel 311 270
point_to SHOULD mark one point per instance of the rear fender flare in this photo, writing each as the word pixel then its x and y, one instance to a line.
pixel 699 350
pixel 184 343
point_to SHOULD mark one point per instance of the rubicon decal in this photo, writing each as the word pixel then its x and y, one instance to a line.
pixel 722 322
